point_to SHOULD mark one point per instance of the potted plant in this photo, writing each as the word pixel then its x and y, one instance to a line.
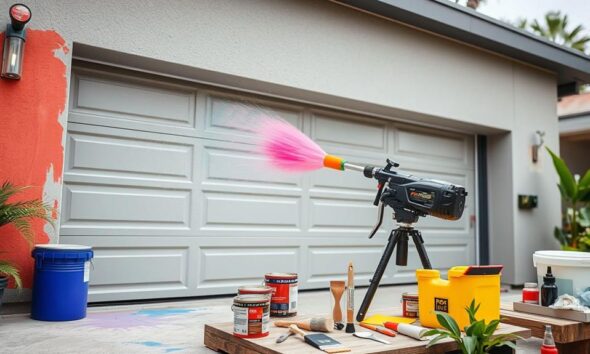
pixel 575 191
pixel 19 214
pixel 479 337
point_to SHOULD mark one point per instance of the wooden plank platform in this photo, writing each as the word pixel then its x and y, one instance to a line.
pixel 571 336
pixel 219 337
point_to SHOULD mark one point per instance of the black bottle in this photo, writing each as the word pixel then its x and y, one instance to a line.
pixel 549 289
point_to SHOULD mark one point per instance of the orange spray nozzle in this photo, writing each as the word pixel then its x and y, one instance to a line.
pixel 334 162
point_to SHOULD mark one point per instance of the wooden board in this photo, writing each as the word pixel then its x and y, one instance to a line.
pixel 564 331
pixel 549 312
pixel 219 338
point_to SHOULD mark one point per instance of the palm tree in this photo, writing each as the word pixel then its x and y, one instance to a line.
pixel 554 27
pixel 19 214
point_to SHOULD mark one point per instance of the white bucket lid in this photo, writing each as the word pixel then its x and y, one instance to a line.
pixel 54 246
pixel 562 258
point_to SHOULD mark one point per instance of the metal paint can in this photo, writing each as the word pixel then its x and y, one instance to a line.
pixel 283 301
pixel 251 316
pixel 255 289
pixel 410 305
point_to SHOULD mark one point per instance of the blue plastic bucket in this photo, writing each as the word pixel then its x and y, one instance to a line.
pixel 60 285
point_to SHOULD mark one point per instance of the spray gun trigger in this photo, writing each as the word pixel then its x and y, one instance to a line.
pixel 379 220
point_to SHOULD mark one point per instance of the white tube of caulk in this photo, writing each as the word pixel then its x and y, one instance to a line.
pixel 408 330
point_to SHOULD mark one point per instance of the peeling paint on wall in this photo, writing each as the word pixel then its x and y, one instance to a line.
pixel 31 138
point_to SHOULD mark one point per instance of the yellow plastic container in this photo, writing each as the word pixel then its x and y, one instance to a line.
pixel 453 295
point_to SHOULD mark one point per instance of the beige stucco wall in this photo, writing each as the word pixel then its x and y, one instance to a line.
pixel 333 51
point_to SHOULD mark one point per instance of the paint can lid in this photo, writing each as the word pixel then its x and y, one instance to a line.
pixel 63 247
pixel 281 276
pixel 255 289
pixel 251 299
pixel 409 296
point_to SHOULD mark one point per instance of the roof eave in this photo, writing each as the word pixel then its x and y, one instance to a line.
pixel 465 25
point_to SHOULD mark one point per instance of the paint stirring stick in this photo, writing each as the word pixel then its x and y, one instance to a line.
pixel 350 300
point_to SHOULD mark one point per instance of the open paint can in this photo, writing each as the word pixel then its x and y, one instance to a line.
pixel 283 302
pixel 251 316
pixel 255 289
pixel 410 305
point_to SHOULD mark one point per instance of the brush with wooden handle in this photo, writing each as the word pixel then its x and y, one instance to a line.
pixel 337 288
pixel 314 324
pixel 320 341
pixel 350 300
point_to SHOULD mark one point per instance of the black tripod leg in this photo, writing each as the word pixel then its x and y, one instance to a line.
pixel 419 242
pixel 374 282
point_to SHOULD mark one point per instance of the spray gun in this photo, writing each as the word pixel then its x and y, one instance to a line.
pixel 410 197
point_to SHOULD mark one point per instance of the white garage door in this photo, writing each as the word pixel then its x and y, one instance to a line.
pixel 171 196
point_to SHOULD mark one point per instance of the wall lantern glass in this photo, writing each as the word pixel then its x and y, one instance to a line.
pixel 14 42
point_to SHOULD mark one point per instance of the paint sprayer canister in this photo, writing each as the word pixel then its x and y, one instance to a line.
pixel 284 296
pixel 251 316
pixel 60 285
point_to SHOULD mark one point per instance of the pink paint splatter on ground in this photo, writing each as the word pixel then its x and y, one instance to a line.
pixel 287 148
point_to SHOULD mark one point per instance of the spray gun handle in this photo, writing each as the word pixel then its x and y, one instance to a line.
pixel 379 220
pixel 379 192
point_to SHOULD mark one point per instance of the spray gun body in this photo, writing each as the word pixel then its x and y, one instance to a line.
pixel 411 197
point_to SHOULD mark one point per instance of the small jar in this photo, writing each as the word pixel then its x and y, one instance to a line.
pixel 530 293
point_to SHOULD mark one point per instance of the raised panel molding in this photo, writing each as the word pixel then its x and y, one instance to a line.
pixel 142 103
pixel 232 211
pixel 112 207
pixel 237 266
pixel 112 156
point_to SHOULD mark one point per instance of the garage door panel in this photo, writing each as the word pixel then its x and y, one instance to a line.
pixel 232 211
pixel 330 263
pixel 231 117
pixel 139 268
pixel 116 156
pixel 240 164
pixel 236 266
pixel 129 103
pixel 341 215
pixel 348 133
pixel 434 146
pixel 96 207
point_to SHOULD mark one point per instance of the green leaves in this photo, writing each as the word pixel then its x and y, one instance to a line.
pixel 10 271
pixel 577 219
pixel 555 28
pixel 567 182
pixel 19 214
pixel 479 337
pixel 448 322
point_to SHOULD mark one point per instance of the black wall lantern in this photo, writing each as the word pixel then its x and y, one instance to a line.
pixel 14 42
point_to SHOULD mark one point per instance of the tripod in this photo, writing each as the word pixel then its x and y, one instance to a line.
pixel 398 237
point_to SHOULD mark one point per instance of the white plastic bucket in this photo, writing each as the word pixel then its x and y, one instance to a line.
pixel 570 269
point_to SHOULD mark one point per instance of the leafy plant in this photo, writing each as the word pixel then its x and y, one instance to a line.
pixel 575 192
pixel 19 214
pixel 479 337
pixel 554 27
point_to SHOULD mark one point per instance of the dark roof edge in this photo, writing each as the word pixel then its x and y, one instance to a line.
pixel 468 26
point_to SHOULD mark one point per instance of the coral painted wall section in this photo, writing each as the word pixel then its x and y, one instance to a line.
pixel 31 135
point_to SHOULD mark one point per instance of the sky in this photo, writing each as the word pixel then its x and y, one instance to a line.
pixel 578 11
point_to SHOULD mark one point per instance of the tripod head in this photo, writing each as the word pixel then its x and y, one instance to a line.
pixel 411 197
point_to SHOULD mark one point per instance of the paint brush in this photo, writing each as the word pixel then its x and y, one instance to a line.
pixel 320 341
pixel 337 289
pixel 350 300
pixel 315 324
